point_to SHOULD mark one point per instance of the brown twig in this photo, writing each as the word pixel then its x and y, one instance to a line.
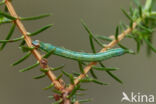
pixel 28 40
pixel 59 84
pixel 110 45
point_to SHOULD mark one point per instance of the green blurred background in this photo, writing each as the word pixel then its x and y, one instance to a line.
pixel 136 71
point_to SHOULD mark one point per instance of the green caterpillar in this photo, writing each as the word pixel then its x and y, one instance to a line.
pixel 81 56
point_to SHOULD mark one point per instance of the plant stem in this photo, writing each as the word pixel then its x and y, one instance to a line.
pixel 110 45
pixel 28 40
pixel 58 84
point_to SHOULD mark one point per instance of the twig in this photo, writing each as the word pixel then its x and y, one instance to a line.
pixel 28 40
pixel 43 63
pixel 110 45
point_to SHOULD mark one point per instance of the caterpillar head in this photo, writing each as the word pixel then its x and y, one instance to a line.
pixel 36 43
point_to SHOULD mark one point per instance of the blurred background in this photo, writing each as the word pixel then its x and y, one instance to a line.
pixel 136 71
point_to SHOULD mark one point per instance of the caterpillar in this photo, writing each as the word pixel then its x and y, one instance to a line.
pixel 80 56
